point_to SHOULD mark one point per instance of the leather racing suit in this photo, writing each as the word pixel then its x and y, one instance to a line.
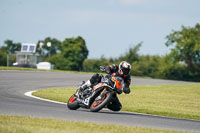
pixel 115 105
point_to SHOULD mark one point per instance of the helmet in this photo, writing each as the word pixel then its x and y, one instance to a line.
pixel 124 68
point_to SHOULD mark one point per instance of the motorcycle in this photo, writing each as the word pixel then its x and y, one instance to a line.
pixel 97 97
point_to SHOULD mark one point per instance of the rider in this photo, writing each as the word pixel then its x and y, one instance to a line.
pixel 123 71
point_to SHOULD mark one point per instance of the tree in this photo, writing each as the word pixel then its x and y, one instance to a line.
pixel 58 61
pixel 132 54
pixel 74 50
pixel 9 49
pixel 93 65
pixel 12 47
pixel 47 51
pixel 186 46
pixel 3 56
pixel 172 70
pixel 147 66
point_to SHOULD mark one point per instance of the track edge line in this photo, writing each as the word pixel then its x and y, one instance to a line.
pixel 29 94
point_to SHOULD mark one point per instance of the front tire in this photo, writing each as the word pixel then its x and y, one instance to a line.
pixel 98 104
pixel 72 103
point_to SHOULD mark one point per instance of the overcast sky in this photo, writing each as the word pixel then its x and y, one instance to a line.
pixel 109 27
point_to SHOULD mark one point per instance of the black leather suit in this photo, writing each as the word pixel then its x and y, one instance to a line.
pixel 113 70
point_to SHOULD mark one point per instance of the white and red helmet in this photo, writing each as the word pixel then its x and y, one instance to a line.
pixel 124 68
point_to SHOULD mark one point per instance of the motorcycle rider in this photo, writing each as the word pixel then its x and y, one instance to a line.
pixel 123 71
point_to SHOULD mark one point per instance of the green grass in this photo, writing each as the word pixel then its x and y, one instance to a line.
pixel 24 124
pixel 34 69
pixel 18 68
pixel 180 101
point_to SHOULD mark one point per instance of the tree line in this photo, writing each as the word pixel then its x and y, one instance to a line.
pixel 66 55
pixel 182 63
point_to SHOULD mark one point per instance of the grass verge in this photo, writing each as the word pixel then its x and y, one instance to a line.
pixel 34 69
pixel 19 68
pixel 24 124
pixel 180 101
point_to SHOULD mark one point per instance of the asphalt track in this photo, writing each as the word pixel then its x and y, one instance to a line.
pixel 13 85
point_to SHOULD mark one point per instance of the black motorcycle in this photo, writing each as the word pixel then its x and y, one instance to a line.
pixel 98 96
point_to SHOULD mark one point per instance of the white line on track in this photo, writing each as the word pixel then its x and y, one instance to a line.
pixel 29 94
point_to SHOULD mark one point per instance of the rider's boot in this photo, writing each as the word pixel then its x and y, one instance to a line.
pixel 85 85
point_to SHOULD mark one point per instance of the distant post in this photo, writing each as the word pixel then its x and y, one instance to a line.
pixel 7 59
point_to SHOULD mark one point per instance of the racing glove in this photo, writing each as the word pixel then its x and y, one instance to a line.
pixel 105 69
pixel 126 90
pixel 102 68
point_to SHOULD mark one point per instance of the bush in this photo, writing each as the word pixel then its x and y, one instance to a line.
pixel 175 71
pixel 146 66
pixel 3 57
pixel 92 65
pixel 58 61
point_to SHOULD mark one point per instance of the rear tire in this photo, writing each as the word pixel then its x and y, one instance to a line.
pixel 72 103
pixel 98 105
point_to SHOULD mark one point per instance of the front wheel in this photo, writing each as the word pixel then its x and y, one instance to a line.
pixel 99 103
pixel 73 103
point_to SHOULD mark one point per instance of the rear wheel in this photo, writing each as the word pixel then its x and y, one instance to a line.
pixel 100 102
pixel 73 103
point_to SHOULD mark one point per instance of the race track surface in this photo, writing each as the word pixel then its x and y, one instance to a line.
pixel 13 85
